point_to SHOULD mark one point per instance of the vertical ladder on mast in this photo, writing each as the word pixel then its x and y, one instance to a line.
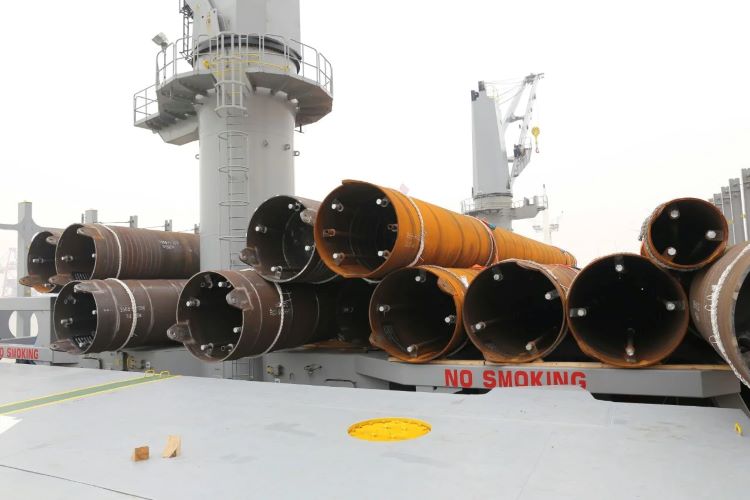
pixel 231 86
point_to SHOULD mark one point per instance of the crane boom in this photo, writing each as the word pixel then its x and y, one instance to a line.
pixel 520 161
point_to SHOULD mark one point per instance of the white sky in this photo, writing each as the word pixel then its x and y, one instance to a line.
pixel 642 102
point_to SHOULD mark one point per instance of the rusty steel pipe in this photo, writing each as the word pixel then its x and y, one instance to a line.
pixel 515 311
pixel 96 251
pixel 684 234
pixel 40 261
pixel 626 311
pixel 227 315
pixel 366 231
pixel 280 242
pixel 720 308
pixel 352 303
pixel 97 315
pixel 416 313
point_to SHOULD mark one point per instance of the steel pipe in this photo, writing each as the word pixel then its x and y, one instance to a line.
pixel 524 307
pixel 111 315
pixel 280 242
pixel 685 234
pixel 40 261
pixel 720 308
pixel 626 311
pixel 416 313
pixel 227 315
pixel 96 251
pixel 366 231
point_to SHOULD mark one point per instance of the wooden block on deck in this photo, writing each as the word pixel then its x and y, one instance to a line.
pixel 173 448
pixel 140 453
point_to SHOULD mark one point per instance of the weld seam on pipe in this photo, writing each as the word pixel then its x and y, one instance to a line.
pixel 281 321
pixel 133 310
pixel 458 349
pixel 326 280
pixel 421 233
pixel 556 280
pixel 466 287
pixel 458 278
pixel 119 251
pixel 650 254
pixel 715 312
pixel 493 249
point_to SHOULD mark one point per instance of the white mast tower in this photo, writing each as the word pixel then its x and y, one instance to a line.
pixel 239 82
pixel 492 194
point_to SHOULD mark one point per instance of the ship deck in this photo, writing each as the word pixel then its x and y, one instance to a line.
pixel 284 440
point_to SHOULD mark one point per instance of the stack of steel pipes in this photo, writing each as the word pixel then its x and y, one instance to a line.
pixel 287 298
pixel 425 257
pixel 625 310
pixel 688 237
pixel 368 263
pixel 118 287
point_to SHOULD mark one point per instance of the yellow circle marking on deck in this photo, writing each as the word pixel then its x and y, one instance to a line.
pixel 389 429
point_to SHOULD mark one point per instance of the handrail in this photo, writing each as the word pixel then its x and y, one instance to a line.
pixel 312 64
pixel 172 60
pixel 490 203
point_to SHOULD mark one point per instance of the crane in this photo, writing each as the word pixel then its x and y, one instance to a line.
pixel 494 171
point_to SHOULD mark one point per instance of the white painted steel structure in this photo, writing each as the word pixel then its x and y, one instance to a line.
pixel 239 84
pixel 494 171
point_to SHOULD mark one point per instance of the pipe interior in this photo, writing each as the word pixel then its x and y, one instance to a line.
pixel 78 306
pixel 362 227
pixel 212 322
pixel 687 233
pixel 283 244
pixel 514 311
pixel 41 249
pixel 417 313
pixel 352 314
pixel 81 248
pixel 742 319
pixel 621 306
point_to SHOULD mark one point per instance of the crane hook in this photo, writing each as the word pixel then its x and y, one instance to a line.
pixel 535 132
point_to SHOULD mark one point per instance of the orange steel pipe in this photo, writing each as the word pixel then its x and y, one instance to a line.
pixel 377 230
pixel 416 313
pixel 684 234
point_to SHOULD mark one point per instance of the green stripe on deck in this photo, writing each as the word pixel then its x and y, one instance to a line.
pixel 83 392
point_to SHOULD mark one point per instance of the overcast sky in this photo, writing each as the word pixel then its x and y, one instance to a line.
pixel 641 102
